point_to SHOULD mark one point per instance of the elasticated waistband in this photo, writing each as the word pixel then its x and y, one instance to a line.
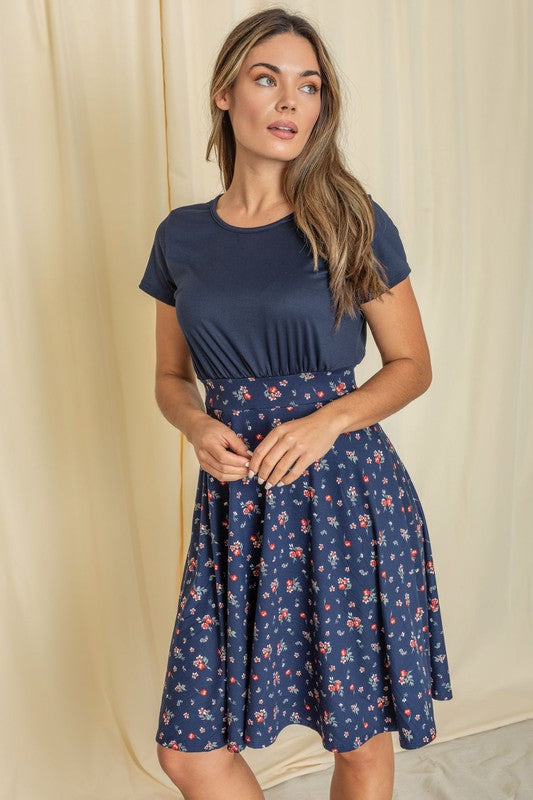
pixel 279 391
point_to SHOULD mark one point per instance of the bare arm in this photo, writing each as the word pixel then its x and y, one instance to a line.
pixel 396 326
pixel 176 391
pixel 218 448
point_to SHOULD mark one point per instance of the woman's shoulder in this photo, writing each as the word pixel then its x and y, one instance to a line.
pixel 184 219
pixel 190 211
pixel 383 221
pixel 388 246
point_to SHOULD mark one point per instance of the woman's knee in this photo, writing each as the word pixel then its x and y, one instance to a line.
pixel 189 767
pixel 374 751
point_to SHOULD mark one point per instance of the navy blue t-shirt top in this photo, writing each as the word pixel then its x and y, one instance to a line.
pixel 248 300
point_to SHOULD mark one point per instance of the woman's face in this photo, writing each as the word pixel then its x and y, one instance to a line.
pixel 278 81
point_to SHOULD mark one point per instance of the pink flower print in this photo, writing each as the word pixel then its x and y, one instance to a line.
pixel 242 394
pixel 336 686
pixel 280 648
pixel 434 604
pixel 207 621
pixel 260 716
pixel 309 492
pixel 339 387
pixel 386 501
pixel 378 457
pixel 282 518
pixel 236 548
pixel 405 677
pixel 296 552
pixel 367 595
pixel 344 583
pixel 364 520
pixel 351 493
pixel 167 716
pixel 248 507
pixel 272 393
pixel 194 594
pixel 199 662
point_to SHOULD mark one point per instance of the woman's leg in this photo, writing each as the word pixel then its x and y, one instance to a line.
pixel 366 773
pixel 213 775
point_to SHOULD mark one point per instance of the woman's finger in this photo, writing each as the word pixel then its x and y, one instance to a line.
pixel 222 471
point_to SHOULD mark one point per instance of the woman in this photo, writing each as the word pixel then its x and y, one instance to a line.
pixel 309 595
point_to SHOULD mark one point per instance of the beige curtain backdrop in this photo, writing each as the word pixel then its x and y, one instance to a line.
pixel 104 122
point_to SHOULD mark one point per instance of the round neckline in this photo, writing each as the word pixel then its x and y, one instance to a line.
pixel 238 229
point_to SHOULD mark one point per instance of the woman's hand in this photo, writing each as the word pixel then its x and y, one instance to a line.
pixel 293 446
pixel 210 440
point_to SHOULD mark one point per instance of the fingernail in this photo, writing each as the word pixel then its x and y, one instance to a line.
pixel 250 452
pixel 251 473
pixel 268 485
pixel 246 463
pixel 260 480
pixel 280 483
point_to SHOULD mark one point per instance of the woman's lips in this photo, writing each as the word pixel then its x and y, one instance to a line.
pixel 282 134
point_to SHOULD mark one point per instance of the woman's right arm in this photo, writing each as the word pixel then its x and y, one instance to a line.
pixel 176 391
pixel 218 448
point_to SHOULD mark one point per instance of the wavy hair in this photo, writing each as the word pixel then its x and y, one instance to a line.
pixel 331 207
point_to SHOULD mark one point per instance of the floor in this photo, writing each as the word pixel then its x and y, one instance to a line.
pixel 494 765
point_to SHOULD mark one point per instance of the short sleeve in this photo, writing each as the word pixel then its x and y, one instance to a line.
pixel 157 280
pixel 388 247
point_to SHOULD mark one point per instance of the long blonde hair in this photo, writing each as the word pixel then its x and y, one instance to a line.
pixel 331 207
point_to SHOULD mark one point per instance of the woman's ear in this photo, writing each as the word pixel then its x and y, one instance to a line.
pixel 223 100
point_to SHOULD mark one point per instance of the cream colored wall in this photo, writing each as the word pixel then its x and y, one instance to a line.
pixel 104 116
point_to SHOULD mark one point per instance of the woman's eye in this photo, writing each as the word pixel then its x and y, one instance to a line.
pixel 270 78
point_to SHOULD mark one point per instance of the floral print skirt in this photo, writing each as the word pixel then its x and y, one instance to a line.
pixel 313 603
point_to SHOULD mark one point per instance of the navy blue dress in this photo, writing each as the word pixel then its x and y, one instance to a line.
pixel 313 603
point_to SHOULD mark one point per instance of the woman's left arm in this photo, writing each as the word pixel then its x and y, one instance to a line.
pixel 394 319
pixel 396 325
